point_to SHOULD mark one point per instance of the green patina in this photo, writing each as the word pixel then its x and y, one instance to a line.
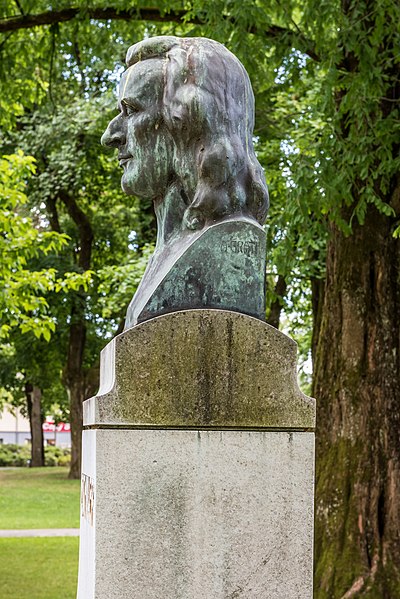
pixel 184 136
pixel 222 268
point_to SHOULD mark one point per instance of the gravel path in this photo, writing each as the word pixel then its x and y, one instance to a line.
pixel 41 532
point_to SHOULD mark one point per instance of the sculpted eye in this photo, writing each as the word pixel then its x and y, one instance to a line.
pixel 129 108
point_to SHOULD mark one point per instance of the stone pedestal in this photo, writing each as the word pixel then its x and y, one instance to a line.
pixel 198 464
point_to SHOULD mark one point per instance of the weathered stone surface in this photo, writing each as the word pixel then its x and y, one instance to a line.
pixel 200 368
pixel 222 267
pixel 197 514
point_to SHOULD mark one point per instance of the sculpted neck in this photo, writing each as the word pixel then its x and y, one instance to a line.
pixel 169 213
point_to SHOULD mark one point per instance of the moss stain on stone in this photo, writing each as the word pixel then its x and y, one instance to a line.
pixel 233 371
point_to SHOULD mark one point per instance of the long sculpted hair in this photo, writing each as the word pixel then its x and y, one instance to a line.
pixel 208 108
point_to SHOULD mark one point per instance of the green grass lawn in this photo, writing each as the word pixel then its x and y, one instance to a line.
pixel 38 568
pixel 38 498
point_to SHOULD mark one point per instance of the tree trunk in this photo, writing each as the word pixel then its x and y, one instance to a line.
pixel 33 399
pixel 277 305
pixel 357 387
pixel 74 372
pixel 81 383
pixel 317 301
pixel 77 397
pixel 74 379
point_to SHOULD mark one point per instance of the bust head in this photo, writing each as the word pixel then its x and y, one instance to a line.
pixel 186 123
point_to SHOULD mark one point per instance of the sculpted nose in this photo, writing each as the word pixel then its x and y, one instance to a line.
pixel 114 135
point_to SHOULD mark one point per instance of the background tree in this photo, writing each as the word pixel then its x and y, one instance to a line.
pixel 76 193
pixel 326 77
pixel 30 370
pixel 22 302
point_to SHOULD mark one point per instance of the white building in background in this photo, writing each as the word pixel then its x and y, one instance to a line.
pixel 14 428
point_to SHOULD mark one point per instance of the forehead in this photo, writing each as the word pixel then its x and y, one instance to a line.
pixel 143 80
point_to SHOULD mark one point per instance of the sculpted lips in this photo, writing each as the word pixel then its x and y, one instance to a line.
pixel 124 159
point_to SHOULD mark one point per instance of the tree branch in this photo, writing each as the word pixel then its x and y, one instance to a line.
pixel 67 14
pixel 145 14
pixel 52 213
pixel 84 227
pixel 21 10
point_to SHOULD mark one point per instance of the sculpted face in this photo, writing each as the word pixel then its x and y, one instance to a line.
pixel 144 144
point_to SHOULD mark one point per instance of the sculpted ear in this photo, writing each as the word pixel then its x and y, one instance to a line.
pixel 175 73
pixel 182 110
pixel 183 97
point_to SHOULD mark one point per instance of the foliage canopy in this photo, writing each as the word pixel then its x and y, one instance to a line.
pixel 326 77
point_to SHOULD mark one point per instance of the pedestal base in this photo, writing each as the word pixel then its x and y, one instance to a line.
pixel 190 514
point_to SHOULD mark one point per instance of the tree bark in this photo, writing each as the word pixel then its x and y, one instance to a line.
pixel 74 380
pixel 33 399
pixel 277 305
pixel 74 374
pixel 356 384
pixel 357 351
pixel 317 303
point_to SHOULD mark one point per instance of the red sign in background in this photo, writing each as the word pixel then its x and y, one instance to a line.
pixel 61 427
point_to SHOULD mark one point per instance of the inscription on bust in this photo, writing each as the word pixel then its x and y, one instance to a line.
pixel 236 246
pixel 87 498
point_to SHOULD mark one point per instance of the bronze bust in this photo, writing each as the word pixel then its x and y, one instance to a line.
pixel 184 139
